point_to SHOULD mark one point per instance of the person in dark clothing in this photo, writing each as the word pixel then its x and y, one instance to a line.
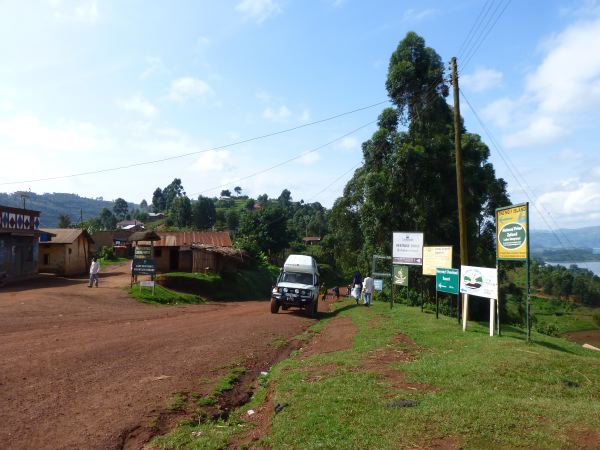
pixel 357 285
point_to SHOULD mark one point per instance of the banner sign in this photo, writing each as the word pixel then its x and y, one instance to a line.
pixel 144 267
pixel 446 280
pixel 511 232
pixel 407 248
pixel 401 275
pixel 378 284
pixel 435 258
pixel 479 281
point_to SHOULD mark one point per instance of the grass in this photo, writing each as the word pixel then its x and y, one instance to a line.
pixel 112 262
pixel 178 402
pixel 162 296
pixel 485 392
pixel 227 382
pixel 241 285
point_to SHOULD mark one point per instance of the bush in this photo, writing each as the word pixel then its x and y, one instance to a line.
pixel 107 254
pixel 596 317
pixel 547 328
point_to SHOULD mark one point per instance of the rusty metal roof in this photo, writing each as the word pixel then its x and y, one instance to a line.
pixel 65 235
pixel 180 238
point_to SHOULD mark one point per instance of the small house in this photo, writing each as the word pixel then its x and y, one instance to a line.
pixel 117 240
pixel 64 251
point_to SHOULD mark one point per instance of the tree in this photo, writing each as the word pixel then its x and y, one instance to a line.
pixel 144 206
pixel 238 190
pixel 64 221
pixel 225 193
pixel 107 219
pixel 172 191
pixel 233 219
pixel 181 211
pixel 120 208
pixel 158 200
pixel 285 198
pixel 266 228
pixel 249 205
pixel 204 214
pixel 263 200
pixel 408 180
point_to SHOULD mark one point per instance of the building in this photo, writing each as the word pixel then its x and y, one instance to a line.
pixel 311 240
pixel 194 251
pixel 130 225
pixel 19 232
pixel 66 252
pixel 117 240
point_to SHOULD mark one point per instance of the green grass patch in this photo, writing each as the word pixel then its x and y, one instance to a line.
pixel 244 284
pixel 209 435
pixel 111 262
pixel 485 391
pixel 226 382
pixel 178 402
pixel 162 296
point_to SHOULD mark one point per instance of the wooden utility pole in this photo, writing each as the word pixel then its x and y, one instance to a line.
pixel 462 222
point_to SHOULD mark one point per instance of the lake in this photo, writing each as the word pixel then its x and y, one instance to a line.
pixel 594 266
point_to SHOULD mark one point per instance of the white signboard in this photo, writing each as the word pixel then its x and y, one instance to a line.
pixel 407 248
pixel 479 281
pixel 145 283
pixel 378 284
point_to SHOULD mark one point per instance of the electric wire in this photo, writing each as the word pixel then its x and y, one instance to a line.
pixel 474 28
pixel 183 155
pixel 517 176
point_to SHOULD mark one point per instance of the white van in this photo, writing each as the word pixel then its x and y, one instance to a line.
pixel 297 285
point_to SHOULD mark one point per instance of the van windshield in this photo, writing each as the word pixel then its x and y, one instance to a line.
pixel 300 278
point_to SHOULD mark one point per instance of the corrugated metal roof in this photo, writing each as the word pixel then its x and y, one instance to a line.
pixel 179 238
pixel 64 235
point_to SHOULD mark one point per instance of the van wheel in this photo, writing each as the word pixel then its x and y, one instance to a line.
pixel 274 306
pixel 285 307
pixel 313 309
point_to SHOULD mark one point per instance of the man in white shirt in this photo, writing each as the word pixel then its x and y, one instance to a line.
pixel 94 271
pixel 369 287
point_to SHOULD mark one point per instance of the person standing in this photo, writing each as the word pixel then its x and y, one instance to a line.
pixel 368 289
pixel 356 286
pixel 94 271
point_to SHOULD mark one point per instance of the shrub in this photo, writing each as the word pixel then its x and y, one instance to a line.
pixel 547 328
pixel 107 253
pixel 596 317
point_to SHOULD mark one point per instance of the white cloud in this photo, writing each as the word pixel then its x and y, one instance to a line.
pixel 153 65
pixel 138 104
pixel 577 199
pixel 500 112
pixel 309 158
pixel 213 160
pixel 304 116
pixel 413 15
pixel 258 10
pixel 482 79
pixel 264 96
pixel 563 92
pixel 68 11
pixel 349 143
pixel 568 154
pixel 277 115
pixel 187 87
pixel 28 132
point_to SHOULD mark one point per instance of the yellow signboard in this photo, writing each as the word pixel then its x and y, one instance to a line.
pixel 511 232
pixel 436 258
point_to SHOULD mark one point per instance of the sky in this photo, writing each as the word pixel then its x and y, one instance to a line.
pixel 181 89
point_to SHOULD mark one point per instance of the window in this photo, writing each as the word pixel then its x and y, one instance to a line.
pixel 46 259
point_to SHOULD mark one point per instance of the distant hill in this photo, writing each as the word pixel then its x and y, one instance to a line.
pixel 588 237
pixel 52 205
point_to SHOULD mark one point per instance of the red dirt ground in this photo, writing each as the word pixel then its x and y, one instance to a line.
pixel 591 337
pixel 81 367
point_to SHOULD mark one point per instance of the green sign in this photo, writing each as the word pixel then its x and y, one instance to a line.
pixel 401 275
pixel 144 267
pixel 446 280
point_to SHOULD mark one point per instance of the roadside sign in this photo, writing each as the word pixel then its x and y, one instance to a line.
pixel 142 252
pixel 436 257
pixel 144 267
pixel 378 284
pixel 401 275
pixel 380 266
pixel 446 280
pixel 407 248
pixel 479 281
pixel 147 283
pixel 511 232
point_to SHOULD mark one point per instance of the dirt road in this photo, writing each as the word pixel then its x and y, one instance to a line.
pixel 80 366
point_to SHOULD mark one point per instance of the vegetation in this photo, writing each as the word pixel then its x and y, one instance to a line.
pixel 162 296
pixel 580 285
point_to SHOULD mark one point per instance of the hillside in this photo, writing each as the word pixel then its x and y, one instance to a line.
pixel 52 205
pixel 588 237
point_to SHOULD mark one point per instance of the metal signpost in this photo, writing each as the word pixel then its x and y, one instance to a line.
pixel 376 272
pixel 512 243
pixel 447 280
pixel 378 284
pixel 481 282
pixel 400 278
pixel 144 267
pixel 436 257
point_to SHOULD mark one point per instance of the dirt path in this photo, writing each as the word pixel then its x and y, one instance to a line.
pixel 591 337
pixel 80 366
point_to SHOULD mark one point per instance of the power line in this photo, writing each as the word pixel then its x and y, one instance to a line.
pixel 334 181
pixel 298 156
pixel 485 34
pixel 474 28
pixel 517 176
pixel 183 155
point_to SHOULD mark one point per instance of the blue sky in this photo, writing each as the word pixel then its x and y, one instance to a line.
pixel 89 85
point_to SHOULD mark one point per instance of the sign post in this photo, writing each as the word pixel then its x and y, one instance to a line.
pixel 446 280
pixel 407 249
pixel 512 243
pixel 481 282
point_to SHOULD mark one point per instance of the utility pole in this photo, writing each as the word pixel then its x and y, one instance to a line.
pixel 462 222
